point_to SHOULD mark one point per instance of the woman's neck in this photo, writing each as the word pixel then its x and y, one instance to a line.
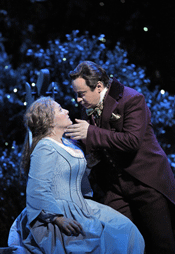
pixel 56 137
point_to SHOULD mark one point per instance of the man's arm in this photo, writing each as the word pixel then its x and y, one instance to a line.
pixel 129 139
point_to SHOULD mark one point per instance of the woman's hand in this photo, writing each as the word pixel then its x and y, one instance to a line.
pixel 69 226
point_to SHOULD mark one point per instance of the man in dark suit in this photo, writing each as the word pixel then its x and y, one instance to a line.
pixel 130 171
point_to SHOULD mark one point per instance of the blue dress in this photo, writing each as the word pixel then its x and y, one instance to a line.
pixel 54 188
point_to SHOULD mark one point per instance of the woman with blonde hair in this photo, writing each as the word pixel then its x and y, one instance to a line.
pixel 57 218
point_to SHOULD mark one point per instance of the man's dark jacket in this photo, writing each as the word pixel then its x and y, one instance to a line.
pixel 125 141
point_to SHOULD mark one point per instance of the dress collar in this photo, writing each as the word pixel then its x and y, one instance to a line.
pixel 67 145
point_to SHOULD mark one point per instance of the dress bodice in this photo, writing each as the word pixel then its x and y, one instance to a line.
pixel 56 171
pixel 68 173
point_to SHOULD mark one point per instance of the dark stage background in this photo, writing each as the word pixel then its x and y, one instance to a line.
pixel 36 34
pixel 144 28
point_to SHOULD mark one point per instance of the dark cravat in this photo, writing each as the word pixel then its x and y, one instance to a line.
pixel 95 111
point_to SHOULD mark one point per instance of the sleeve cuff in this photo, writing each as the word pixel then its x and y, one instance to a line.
pixel 48 217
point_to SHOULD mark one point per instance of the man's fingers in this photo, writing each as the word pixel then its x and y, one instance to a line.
pixel 79 120
pixel 73 134
pixel 76 137
pixel 70 133
pixel 73 129
pixel 67 134
pixel 73 126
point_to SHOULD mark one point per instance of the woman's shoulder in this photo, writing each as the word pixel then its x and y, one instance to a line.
pixel 44 147
pixel 44 144
pixel 50 145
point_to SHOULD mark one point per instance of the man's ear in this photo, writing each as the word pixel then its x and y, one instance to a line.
pixel 100 86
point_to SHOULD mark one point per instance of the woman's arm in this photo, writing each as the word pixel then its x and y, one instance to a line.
pixel 39 194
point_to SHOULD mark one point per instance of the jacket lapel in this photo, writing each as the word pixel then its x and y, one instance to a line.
pixel 111 102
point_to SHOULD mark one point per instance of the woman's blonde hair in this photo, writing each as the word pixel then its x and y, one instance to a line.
pixel 38 119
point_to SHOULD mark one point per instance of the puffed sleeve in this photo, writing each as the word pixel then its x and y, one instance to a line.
pixel 39 196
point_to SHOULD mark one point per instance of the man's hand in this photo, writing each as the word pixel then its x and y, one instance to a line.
pixel 78 130
pixel 68 226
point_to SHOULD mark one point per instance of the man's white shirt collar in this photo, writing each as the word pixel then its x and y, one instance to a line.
pixel 102 94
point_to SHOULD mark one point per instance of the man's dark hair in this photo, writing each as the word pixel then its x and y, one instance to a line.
pixel 91 73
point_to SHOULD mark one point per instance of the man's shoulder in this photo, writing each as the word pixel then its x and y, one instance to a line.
pixel 128 90
pixel 131 95
pixel 118 90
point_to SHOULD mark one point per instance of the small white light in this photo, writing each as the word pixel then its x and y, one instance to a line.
pixel 64 59
pixel 145 29
pixel 8 96
pixel 33 84
pixel 15 90
pixel 6 143
pixel 101 4
pixel 25 103
pixel 103 39
pixel 162 91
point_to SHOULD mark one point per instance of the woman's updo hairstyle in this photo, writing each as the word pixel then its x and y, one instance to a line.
pixel 39 117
